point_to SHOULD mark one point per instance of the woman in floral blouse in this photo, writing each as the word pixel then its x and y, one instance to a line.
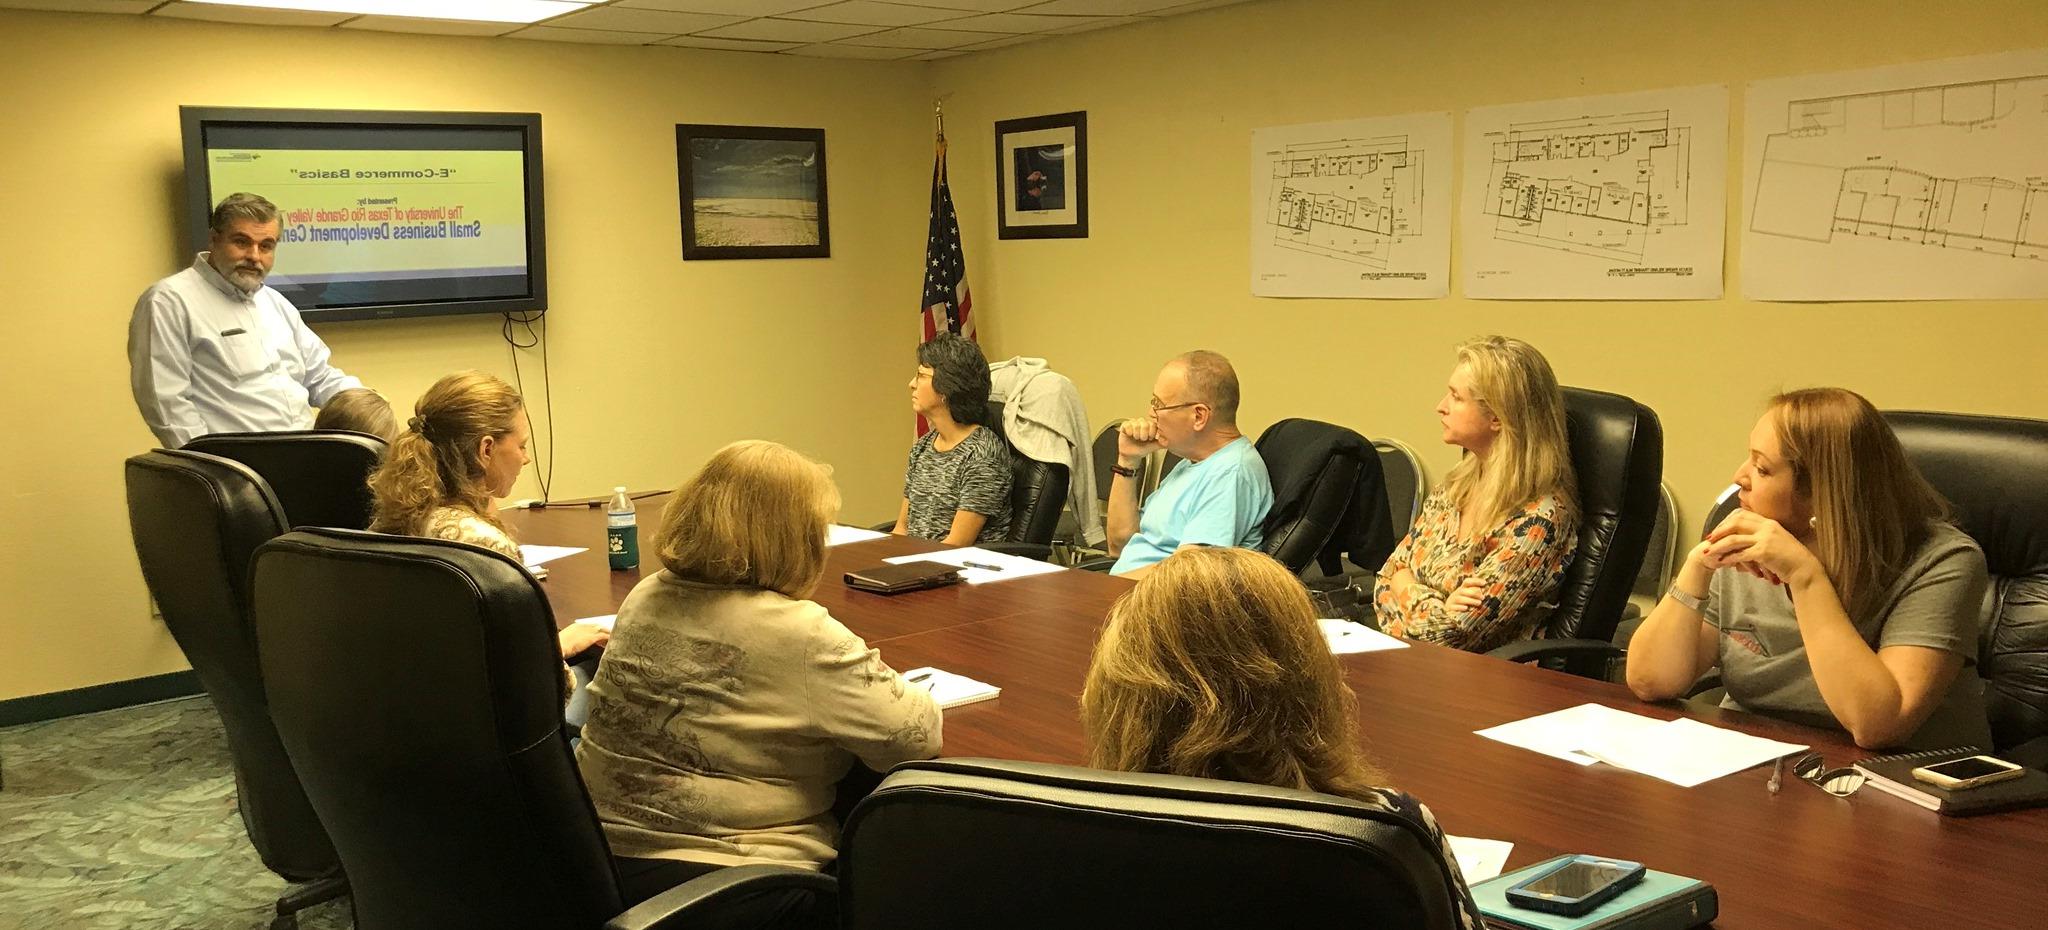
pixel 1484 557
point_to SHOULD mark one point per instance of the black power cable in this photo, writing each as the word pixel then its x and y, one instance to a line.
pixel 545 474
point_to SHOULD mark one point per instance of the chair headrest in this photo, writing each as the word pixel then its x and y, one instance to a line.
pixel 1992 471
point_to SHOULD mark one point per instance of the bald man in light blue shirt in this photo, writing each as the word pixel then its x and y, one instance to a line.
pixel 1219 493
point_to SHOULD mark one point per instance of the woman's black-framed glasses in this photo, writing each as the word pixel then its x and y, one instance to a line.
pixel 1840 782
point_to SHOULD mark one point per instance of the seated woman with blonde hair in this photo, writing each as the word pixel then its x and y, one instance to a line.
pixel 361 410
pixel 1489 548
pixel 1838 595
pixel 462 449
pixel 729 705
pixel 1214 667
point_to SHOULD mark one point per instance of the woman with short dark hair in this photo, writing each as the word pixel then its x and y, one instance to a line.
pixel 956 488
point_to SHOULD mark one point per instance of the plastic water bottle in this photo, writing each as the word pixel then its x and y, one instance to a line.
pixel 621 532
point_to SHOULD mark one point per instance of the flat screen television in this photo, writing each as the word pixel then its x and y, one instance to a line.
pixel 385 214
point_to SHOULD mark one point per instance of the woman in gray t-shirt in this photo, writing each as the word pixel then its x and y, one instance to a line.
pixel 956 487
pixel 1836 595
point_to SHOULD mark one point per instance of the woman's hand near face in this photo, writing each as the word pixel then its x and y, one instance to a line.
pixel 1757 545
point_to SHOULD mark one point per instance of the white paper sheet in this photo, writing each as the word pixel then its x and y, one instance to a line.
pixel 839 535
pixel 1618 197
pixel 1356 208
pixel 1346 638
pixel 603 623
pixel 1560 734
pixel 1480 859
pixel 1913 182
pixel 536 556
pixel 979 566
pixel 951 690
pixel 1686 752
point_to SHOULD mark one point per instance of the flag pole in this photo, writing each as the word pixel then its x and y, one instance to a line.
pixel 939 133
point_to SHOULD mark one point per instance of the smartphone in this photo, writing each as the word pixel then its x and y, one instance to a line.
pixel 1968 772
pixel 1576 885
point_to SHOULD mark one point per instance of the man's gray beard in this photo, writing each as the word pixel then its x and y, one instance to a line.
pixel 241 282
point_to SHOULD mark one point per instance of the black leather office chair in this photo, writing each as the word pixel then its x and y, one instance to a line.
pixel 1401 469
pixel 321 477
pixel 1617 449
pixel 1329 499
pixel 1994 472
pixel 196 520
pixel 1038 495
pixel 985 843
pixel 418 686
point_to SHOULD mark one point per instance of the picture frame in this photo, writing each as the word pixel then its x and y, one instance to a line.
pixel 1042 177
pixel 752 192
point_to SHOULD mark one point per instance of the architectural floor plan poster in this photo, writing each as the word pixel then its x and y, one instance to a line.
pixel 1915 182
pixel 1620 197
pixel 1358 208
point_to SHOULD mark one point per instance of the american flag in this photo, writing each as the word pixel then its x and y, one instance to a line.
pixel 946 301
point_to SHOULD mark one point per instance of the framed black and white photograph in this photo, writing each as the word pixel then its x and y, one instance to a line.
pixel 752 192
pixel 1042 177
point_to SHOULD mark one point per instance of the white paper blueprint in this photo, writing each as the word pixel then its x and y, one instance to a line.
pixel 1913 182
pixel 1356 208
pixel 1617 197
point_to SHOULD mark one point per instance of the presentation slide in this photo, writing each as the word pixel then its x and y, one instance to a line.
pixel 421 217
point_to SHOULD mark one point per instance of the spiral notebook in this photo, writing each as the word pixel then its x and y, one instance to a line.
pixel 1893 775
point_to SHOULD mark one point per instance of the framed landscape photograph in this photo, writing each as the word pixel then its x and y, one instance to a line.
pixel 752 192
pixel 1042 177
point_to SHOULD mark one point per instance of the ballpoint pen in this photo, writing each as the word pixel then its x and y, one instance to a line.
pixel 1777 774
pixel 984 566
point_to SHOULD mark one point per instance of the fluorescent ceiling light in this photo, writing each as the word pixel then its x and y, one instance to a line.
pixel 489 11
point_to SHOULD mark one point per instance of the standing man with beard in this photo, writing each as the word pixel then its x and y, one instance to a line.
pixel 213 350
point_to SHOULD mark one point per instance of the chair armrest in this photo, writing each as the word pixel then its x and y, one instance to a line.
pixel 690 904
pixel 884 526
pixel 1103 564
pixel 1029 550
pixel 1586 658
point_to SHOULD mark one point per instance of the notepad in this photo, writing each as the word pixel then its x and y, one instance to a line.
pixel 951 690
pixel 980 566
pixel 537 556
pixel 1479 860
pixel 839 535
pixel 1347 638
pixel 1684 752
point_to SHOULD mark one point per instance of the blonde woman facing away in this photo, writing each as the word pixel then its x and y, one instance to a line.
pixel 1837 595
pixel 1214 667
pixel 1490 546
pixel 728 705
pixel 461 450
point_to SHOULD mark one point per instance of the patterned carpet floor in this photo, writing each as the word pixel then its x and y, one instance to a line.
pixel 126 819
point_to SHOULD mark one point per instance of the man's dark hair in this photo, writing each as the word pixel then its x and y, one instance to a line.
pixel 960 375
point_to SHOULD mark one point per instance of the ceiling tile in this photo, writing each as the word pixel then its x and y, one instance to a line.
pixel 726 7
pixel 244 14
pixel 978 6
pixel 730 45
pixel 835 50
pixel 1103 7
pixel 630 20
pixel 439 27
pixel 935 56
pixel 597 36
pixel 870 13
pixel 1004 42
pixel 788 30
pixel 1180 8
pixel 1099 22
pixel 924 38
pixel 1012 23
pixel 82 6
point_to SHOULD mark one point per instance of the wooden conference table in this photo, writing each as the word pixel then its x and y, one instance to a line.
pixel 1800 859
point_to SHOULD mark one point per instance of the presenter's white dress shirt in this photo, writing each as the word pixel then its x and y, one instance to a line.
pixel 204 357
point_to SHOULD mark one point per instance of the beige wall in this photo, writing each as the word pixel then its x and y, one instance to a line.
pixel 655 362
pixel 1171 106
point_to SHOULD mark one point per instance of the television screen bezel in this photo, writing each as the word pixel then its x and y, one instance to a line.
pixel 199 195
